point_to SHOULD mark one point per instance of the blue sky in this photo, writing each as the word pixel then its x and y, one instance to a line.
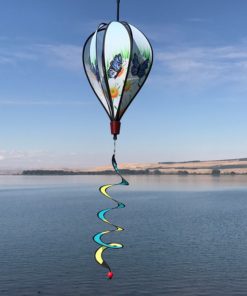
pixel 192 107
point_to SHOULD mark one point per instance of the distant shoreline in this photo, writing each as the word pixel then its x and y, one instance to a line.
pixel 124 172
pixel 194 167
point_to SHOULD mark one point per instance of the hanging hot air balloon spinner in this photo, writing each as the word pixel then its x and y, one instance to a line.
pixel 117 59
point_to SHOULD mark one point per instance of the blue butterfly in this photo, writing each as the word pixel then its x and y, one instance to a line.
pixel 115 66
pixel 138 69
pixel 95 71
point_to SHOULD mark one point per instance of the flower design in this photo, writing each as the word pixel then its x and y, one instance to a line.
pixel 127 86
pixel 114 92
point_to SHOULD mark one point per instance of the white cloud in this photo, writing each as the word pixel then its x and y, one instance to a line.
pixel 18 159
pixel 19 49
pixel 203 65
pixel 13 55
pixel 39 159
pixel 67 56
pixel 6 59
pixel 16 102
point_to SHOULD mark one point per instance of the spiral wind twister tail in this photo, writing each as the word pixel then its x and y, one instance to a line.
pixel 101 215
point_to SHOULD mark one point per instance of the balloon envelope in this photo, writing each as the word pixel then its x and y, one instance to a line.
pixel 117 59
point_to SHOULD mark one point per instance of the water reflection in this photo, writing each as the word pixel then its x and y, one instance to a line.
pixel 175 182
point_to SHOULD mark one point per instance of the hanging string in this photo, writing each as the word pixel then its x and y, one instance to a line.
pixel 118 9
pixel 115 144
pixel 101 215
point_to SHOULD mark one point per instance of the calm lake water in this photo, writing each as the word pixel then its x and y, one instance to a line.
pixel 184 235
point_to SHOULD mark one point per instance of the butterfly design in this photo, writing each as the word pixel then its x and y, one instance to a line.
pixel 115 66
pixel 95 70
pixel 138 69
